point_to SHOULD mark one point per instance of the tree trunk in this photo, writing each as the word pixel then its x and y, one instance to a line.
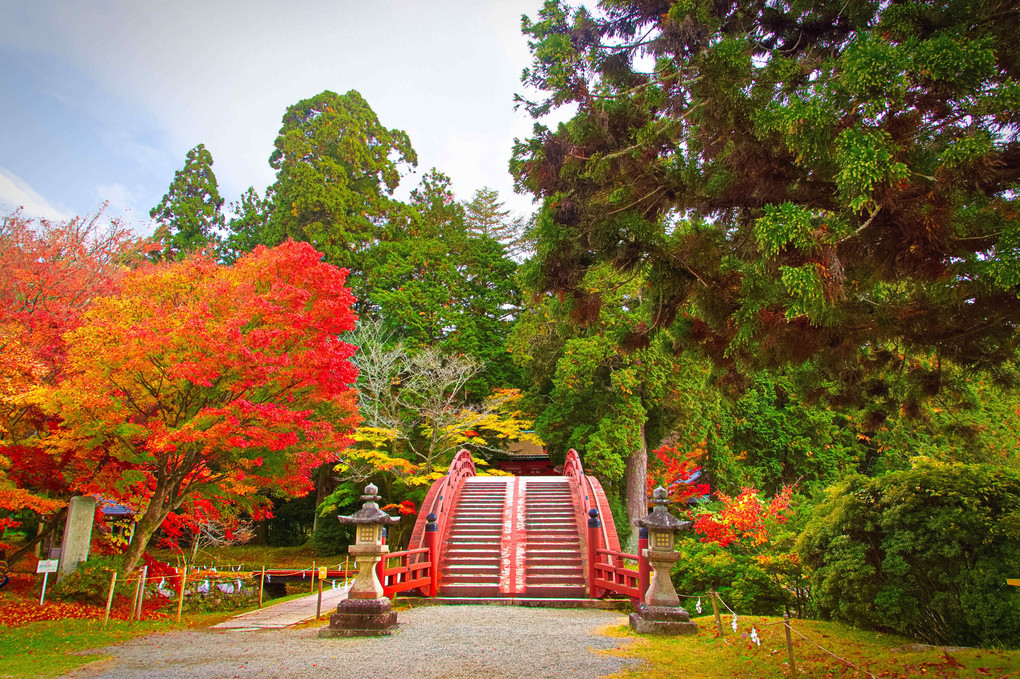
pixel 637 492
pixel 151 520
pixel 325 483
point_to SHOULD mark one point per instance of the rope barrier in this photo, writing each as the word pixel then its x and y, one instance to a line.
pixel 842 660
pixel 785 622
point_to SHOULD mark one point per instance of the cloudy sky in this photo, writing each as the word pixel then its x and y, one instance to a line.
pixel 101 100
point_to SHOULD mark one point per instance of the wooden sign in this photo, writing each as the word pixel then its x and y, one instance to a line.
pixel 47 566
pixel 322 572
pixel 1013 581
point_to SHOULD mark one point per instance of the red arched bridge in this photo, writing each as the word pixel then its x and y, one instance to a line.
pixel 515 536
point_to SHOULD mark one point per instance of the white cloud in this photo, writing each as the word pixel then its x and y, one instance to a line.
pixel 15 192
pixel 223 73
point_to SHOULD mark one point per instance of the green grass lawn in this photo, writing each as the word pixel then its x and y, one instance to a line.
pixel 253 557
pixel 54 647
pixel 707 656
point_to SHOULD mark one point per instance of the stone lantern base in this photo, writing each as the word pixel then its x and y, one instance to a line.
pixel 361 618
pixel 665 620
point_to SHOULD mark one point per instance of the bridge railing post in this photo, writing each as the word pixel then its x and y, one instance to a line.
pixel 594 524
pixel 379 567
pixel 432 542
pixel 644 569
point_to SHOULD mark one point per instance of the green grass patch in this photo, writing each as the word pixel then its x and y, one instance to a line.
pixel 55 647
pixel 253 557
pixel 708 656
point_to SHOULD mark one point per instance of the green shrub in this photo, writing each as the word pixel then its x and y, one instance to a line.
pixel 331 537
pixel 738 578
pixel 755 592
pixel 90 582
pixel 923 552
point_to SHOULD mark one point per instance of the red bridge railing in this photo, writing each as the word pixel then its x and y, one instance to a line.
pixel 607 565
pixel 427 537
pixel 401 571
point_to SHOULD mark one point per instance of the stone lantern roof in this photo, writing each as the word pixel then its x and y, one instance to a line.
pixel 370 512
pixel 660 518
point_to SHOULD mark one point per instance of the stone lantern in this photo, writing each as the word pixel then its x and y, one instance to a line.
pixel 365 611
pixel 660 611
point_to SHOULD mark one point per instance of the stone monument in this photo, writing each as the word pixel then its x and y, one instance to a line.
pixel 365 612
pixel 661 612
pixel 74 548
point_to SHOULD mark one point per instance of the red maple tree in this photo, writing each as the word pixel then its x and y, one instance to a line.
pixel 746 518
pixel 49 273
pixel 202 380
pixel 677 472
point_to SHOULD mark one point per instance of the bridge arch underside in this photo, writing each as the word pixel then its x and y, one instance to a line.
pixel 515 536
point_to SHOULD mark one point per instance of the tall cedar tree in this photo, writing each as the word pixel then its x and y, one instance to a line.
pixel 336 169
pixel 486 216
pixel 200 380
pixel 830 179
pixel 433 283
pixel 190 214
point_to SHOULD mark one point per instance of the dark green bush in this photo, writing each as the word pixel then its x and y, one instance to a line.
pixel 90 582
pixel 331 537
pixel 924 552
pixel 738 578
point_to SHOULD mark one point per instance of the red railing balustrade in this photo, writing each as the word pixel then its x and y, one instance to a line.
pixel 606 570
pixel 440 501
pixel 401 571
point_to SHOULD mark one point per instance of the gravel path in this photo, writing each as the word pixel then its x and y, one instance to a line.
pixel 433 642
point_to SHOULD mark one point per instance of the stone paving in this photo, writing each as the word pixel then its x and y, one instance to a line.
pixel 288 613
pixel 431 642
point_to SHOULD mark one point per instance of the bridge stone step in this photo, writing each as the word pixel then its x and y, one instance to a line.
pixel 454 590
pixel 552 572
pixel 456 568
pixel 555 591
pixel 571 560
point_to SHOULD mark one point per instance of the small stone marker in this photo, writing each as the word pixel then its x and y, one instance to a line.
pixel 74 549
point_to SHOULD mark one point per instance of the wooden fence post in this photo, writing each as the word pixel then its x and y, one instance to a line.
pixel 109 599
pixel 134 600
pixel 262 585
pixel 715 609
pixel 318 603
pixel 311 585
pixel 141 590
pixel 789 644
pixel 180 599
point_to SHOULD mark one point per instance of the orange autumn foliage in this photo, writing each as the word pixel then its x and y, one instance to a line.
pixel 49 273
pixel 198 378
pixel 746 518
